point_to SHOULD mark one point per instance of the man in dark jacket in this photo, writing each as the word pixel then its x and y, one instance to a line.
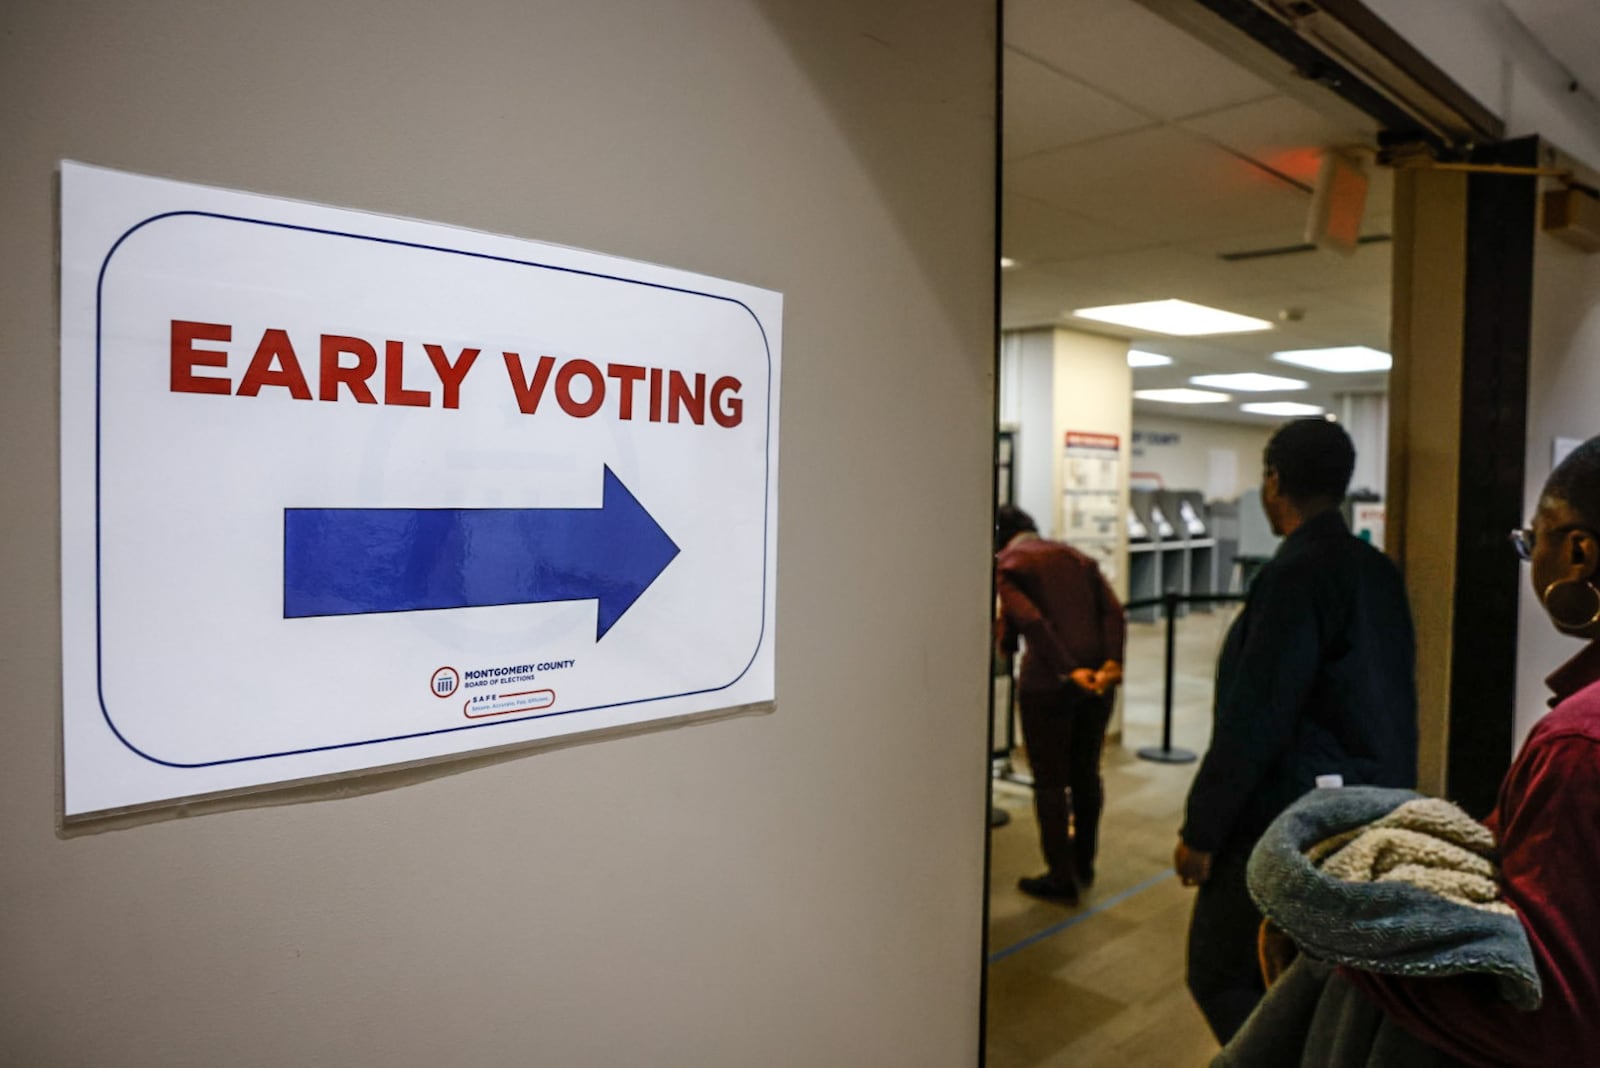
pixel 1055 599
pixel 1316 679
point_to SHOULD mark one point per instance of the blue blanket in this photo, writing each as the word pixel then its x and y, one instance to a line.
pixel 1384 927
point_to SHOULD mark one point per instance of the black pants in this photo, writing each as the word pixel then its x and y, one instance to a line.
pixel 1224 967
pixel 1064 730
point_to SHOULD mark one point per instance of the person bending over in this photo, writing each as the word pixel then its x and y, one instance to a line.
pixel 1054 598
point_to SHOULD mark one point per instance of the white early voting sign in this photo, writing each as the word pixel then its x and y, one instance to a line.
pixel 342 491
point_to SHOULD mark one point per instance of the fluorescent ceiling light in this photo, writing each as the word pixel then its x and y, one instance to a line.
pixel 1181 396
pixel 1178 317
pixel 1249 382
pixel 1284 408
pixel 1137 358
pixel 1344 360
pixel 1006 263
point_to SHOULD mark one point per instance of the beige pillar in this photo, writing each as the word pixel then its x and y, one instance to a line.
pixel 1425 433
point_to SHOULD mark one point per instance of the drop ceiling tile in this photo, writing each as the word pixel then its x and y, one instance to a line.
pixel 1163 183
pixel 1374 300
pixel 1323 323
pixel 1160 273
pixel 1029 286
pixel 1034 232
pixel 1355 314
pixel 1142 213
pixel 1318 332
pixel 1130 54
pixel 1033 297
pixel 1037 288
pixel 1207 354
pixel 1289 235
pixel 1280 132
pixel 1310 269
pixel 1323 269
pixel 1189 358
pixel 1044 109
pixel 1027 317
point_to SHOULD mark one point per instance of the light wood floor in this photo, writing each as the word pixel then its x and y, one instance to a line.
pixel 1102 984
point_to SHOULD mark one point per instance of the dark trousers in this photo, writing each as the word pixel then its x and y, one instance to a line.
pixel 1224 966
pixel 1064 730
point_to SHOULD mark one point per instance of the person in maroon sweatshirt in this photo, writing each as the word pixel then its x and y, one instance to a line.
pixel 1546 822
pixel 1054 598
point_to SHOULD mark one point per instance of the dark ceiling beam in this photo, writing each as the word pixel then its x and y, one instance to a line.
pixel 1346 48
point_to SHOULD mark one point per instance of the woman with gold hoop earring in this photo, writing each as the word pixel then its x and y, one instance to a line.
pixel 1546 822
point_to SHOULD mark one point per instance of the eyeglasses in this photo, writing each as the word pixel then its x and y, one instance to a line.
pixel 1522 539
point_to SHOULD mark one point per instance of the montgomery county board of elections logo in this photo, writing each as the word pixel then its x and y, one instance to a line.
pixel 445 682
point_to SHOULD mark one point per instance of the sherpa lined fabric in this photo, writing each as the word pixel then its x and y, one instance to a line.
pixel 1391 926
pixel 1428 843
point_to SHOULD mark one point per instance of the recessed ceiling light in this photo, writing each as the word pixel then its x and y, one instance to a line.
pixel 1178 317
pixel 1181 396
pixel 1006 263
pixel 1344 360
pixel 1249 382
pixel 1137 358
pixel 1282 408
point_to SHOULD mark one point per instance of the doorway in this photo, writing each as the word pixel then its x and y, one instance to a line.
pixel 1143 165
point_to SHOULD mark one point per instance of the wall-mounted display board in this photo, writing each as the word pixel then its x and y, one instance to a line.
pixel 342 491
pixel 1091 487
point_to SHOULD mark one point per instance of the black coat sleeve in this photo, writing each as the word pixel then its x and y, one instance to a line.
pixel 1259 704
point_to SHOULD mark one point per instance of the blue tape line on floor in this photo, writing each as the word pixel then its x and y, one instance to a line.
pixel 1071 921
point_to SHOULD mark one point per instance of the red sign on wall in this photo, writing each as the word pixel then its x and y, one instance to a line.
pixel 1079 439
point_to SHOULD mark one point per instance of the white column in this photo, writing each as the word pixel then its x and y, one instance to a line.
pixel 1027 400
pixel 1365 417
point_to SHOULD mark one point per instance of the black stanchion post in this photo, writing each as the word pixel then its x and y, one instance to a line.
pixel 1165 754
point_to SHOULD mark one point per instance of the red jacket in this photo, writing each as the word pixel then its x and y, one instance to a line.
pixel 1547 823
pixel 1053 596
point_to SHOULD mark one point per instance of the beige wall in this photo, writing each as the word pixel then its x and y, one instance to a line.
pixel 796 889
pixel 1094 394
pixel 1190 463
pixel 1563 402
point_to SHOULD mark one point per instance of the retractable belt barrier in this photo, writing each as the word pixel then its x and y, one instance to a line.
pixel 1169 602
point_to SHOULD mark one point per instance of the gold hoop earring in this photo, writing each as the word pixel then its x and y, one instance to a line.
pixel 1567 613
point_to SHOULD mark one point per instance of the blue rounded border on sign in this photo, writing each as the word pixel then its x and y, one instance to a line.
pixel 766 490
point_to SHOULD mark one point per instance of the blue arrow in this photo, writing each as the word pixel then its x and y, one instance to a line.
pixel 353 561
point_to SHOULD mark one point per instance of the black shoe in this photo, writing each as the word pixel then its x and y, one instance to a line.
pixel 1050 888
pixel 1085 874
